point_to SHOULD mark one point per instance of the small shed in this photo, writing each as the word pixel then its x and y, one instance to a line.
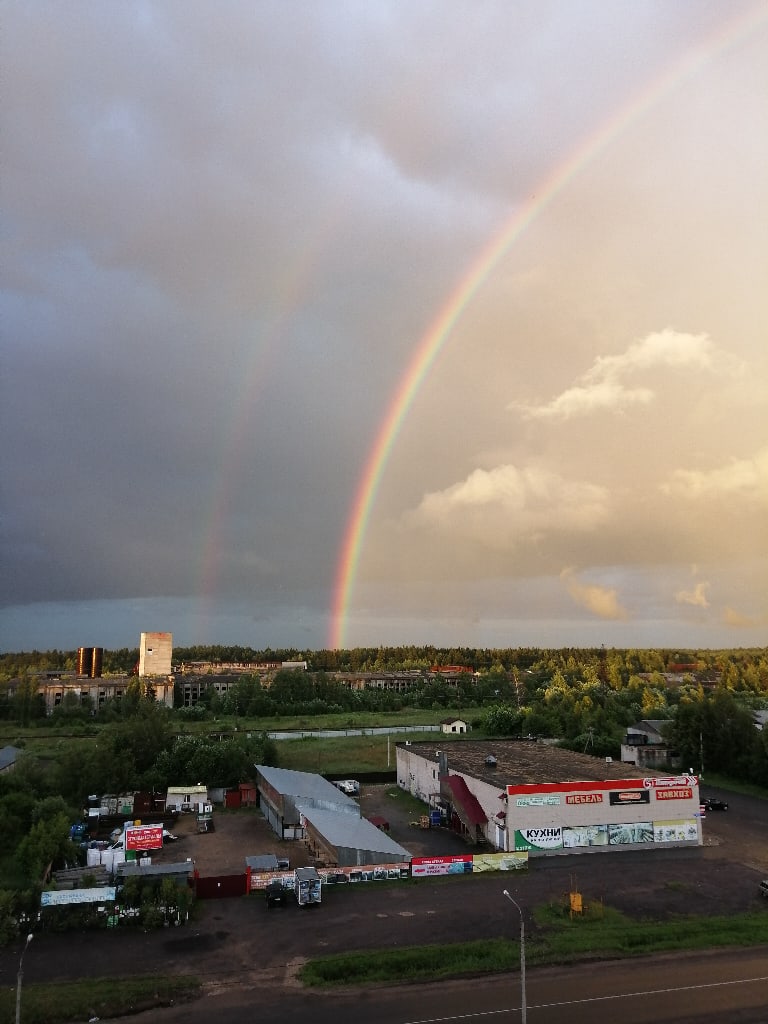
pixel 262 862
pixel 186 798
pixel 453 725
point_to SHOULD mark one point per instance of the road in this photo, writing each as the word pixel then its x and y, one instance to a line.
pixel 707 988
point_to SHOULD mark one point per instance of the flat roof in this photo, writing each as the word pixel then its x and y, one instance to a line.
pixel 262 862
pixel 521 762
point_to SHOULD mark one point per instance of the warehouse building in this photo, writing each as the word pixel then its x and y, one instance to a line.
pixel 342 840
pixel 519 795
pixel 284 795
pixel 302 805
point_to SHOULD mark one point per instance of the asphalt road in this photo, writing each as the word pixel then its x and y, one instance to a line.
pixel 709 988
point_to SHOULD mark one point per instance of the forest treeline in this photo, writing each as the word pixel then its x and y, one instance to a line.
pixel 391 659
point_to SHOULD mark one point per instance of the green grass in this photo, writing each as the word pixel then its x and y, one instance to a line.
pixel 101 997
pixel 350 755
pixel 601 933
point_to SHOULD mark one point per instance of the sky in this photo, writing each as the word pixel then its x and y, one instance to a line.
pixel 374 324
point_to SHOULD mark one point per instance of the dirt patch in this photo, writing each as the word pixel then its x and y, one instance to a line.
pixel 237 834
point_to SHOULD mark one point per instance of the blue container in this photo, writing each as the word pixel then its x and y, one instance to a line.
pixel 434 818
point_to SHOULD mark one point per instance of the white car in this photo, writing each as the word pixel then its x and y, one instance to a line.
pixel 349 786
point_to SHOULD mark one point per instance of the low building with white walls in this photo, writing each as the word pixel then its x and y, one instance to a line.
pixel 519 795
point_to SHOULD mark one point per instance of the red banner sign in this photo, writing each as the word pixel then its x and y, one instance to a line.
pixel 681 793
pixel 144 837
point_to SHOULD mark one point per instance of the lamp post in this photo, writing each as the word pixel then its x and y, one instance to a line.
pixel 523 1005
pixel 19 977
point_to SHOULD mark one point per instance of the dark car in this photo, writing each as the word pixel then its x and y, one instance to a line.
pixel 715 805
pixel 275 894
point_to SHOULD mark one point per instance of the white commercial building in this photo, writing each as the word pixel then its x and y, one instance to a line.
pixel 531 796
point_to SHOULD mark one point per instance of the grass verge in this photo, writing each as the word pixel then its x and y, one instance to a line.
pixel 557 940
pixel 63 1003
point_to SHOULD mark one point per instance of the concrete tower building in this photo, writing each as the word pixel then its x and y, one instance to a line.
pixel 155 652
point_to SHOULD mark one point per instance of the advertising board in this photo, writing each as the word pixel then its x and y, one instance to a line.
pixel 66 897
pixel 536 839
pixel 457 864
pixel 144 837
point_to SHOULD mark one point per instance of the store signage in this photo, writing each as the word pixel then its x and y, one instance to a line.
pixel 629 796
pixel 538 839
pixel 538 800
pixel 678 793
pixel 664 782
pixel 584 798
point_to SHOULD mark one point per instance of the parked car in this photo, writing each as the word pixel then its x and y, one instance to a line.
pixel 276 894
pixel 715 805
pixel 349 786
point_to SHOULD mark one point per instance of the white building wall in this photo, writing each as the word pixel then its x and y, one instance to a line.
pixel 417 775
pixel 575 806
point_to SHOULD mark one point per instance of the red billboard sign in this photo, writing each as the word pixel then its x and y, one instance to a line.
pixel 144 837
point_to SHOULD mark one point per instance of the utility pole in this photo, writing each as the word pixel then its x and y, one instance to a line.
pixel 19 976
pixel 523 1004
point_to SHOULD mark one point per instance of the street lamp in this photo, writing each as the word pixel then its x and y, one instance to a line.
pixel 19 977
pixel 523 1006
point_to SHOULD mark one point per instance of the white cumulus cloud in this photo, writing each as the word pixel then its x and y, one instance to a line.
pixel 744 477
pixel 506 504
pixel 602 387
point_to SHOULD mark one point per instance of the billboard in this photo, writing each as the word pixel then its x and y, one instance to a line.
pixel 635 832
pixel 575 836
pixel 536 839
pixel 684 830
pixel 459 864
pixel 66 897
pixel 144 837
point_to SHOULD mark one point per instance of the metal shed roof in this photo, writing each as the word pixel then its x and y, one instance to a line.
pixel 262 862
pixel 342 830
pixel 134 867
pixel 298 784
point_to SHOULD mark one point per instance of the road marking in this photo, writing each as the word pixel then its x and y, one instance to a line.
pixel 591 999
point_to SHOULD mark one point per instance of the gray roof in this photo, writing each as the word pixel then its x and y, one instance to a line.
pixel 520 762
pixel 354 833
pixel 306 784
pixel 262 862
pixel 8 756
pixel 134 867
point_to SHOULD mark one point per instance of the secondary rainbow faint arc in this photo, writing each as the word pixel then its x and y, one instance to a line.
pixel 431 343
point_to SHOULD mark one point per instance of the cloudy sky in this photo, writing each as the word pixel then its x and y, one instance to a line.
pixel 232 230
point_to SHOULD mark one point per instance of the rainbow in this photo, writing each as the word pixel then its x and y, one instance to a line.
pixel 430 345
